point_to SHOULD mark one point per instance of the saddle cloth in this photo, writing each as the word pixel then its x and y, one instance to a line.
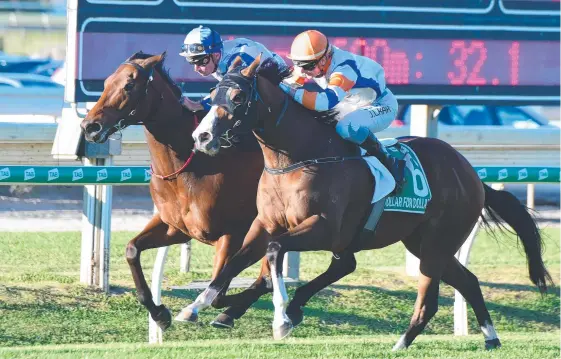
pixel 415 194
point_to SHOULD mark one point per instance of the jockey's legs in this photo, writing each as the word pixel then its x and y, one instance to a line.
pixel 360 125
pixel 396 167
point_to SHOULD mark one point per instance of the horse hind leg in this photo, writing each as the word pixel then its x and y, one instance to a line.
pixel 154 235
pixel 434 242
pixel 459 277
pixel 342 264
pixel 426 305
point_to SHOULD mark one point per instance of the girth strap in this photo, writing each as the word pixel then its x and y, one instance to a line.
pixel 306 163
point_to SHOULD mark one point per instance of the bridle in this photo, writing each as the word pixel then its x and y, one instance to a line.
pixel 236 81
pixel 247 115
pixel 131 120
pixel 187 162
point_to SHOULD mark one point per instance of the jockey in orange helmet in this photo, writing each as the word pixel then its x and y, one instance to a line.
pixel 353 83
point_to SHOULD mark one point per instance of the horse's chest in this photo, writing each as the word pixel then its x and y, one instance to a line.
pixel 299 206
pixel 171 214
pixel 187 215
pixel 281 211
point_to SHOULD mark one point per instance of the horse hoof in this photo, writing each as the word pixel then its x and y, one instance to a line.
pixel 283 331
pixel 187 316
pixel 163 318
pixel 400 345
pixel 223 321
pixel 492 344
pixel 296 316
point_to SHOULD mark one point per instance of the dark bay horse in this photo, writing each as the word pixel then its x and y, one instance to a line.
pixel 211 199
pixel 324 206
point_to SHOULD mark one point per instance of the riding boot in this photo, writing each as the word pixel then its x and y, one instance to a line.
pixel 396 167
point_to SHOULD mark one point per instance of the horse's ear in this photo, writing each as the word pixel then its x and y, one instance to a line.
pixel 154 60
pixel 237 62
pixel 249 71
pixel 135 55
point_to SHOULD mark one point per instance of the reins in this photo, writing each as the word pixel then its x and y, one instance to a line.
pixel 187 162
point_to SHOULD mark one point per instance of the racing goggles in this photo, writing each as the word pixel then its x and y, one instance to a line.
pixel 199 60
pixel 307 65
pixel 195 49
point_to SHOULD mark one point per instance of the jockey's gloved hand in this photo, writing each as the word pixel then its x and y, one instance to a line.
pixel 288 89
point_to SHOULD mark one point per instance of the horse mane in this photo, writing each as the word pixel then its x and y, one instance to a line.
pixel 271 70
pixel 161 69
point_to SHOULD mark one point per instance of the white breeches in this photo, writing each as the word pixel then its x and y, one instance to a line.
pixel 357 125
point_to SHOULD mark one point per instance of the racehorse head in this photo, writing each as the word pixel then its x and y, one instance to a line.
pixel 133 94
pixel 236 107
pixel 231 100
pixel 249 99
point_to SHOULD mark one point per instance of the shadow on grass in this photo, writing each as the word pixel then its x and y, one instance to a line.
pixel 404 303
pixel 341 310
pixel 52 294
pixel 518 287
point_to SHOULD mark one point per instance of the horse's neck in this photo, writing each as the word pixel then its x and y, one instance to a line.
pixel 168 133
pixel 298 137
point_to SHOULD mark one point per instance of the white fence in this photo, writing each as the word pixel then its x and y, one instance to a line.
pixel 482 146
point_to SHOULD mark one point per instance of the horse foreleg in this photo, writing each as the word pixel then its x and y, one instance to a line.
pixel 342 264
pixel 155 234
pixel 308 235
pixel 240 303
pixel 224 250
pixel 253 249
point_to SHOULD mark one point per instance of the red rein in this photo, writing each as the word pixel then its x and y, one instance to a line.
pixel 168 177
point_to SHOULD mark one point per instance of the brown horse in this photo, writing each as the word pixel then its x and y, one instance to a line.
pixel 211 199
pixel 310 206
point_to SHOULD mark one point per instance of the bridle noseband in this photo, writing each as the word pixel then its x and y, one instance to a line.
pixel 129 119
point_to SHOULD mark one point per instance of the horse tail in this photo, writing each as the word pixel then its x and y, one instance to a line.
pixel 503 205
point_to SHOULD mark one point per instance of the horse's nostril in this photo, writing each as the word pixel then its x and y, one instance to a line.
pixel 92 128
pixel 204 137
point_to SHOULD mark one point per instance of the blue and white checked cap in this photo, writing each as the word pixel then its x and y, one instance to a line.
pixel 201 41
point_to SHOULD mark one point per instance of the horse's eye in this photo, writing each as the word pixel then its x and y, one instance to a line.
pixel 238 98
pixel 129 86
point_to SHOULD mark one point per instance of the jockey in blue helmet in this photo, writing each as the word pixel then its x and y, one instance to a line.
pixel 204 49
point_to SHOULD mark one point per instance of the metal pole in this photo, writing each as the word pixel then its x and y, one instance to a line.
pixel 88 231
pixel 530 195
pixel 105 230
pixel 96 231
pixel 291 265
pixel 185 257
pixel 98 247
